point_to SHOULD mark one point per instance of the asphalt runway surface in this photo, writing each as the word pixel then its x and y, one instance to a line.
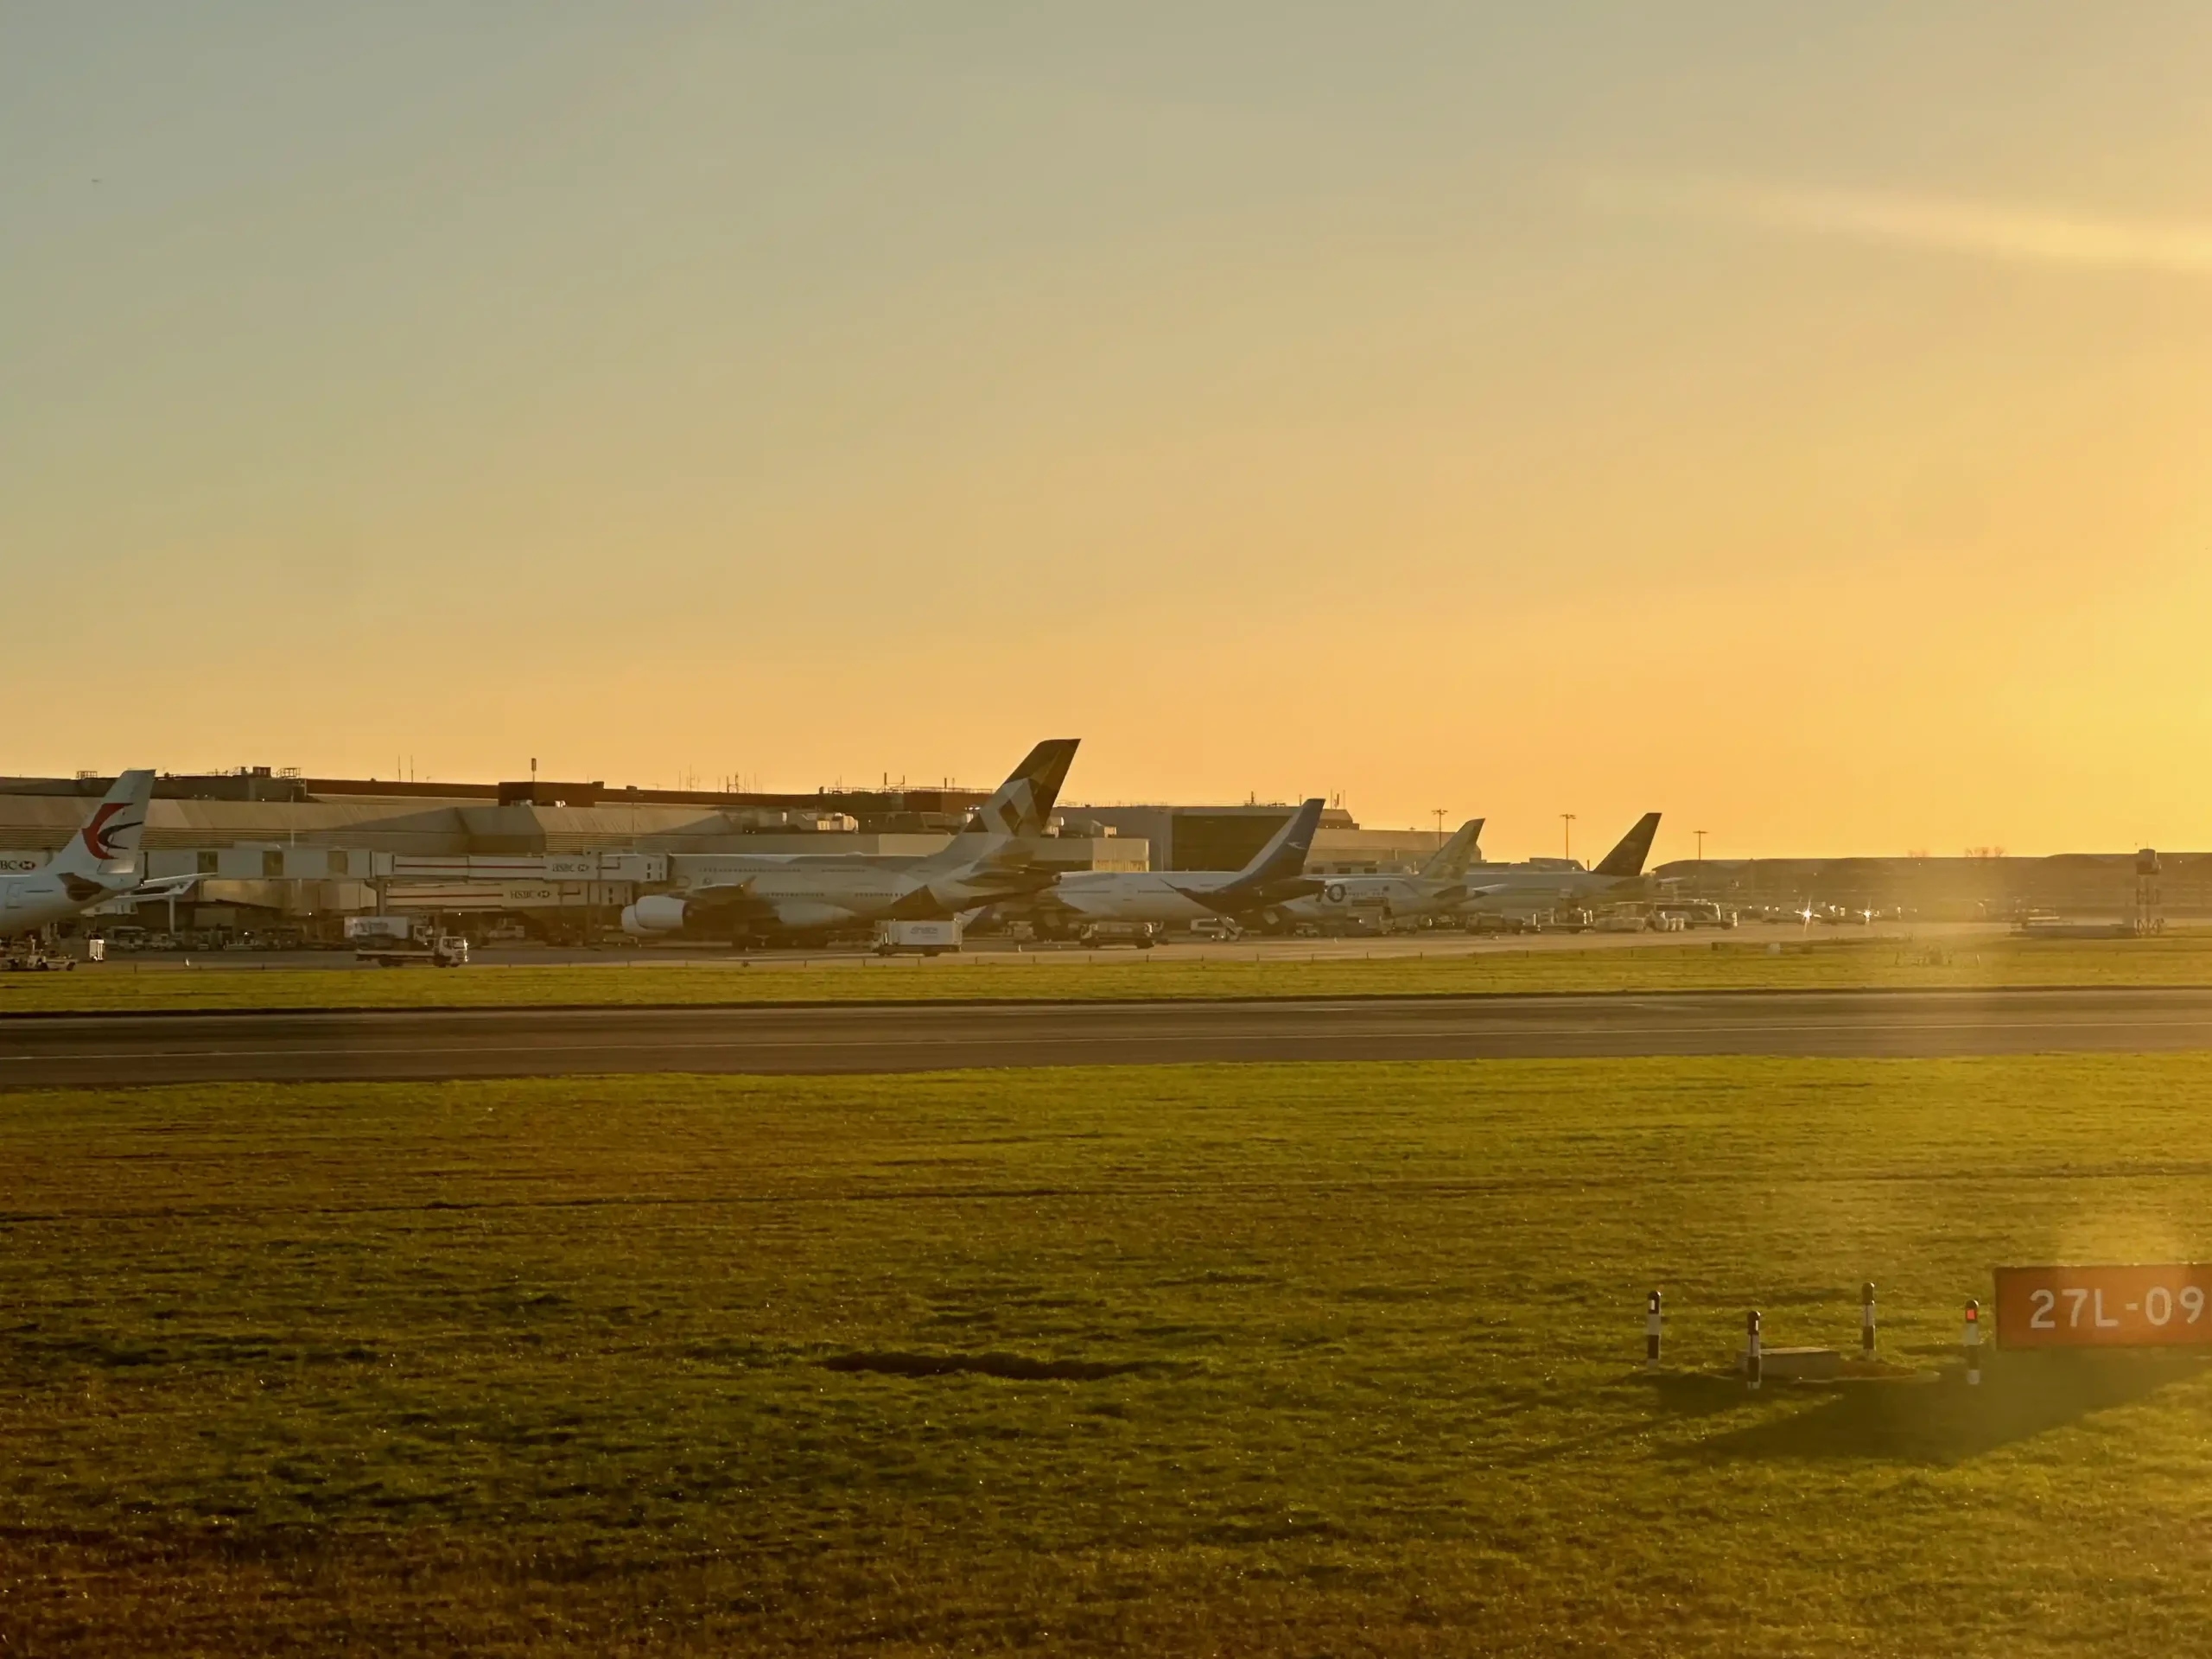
pixel 45 1051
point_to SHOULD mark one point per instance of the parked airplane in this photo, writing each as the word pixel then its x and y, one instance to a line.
pixel 1439 887
pixel 99 863
pixel 784 898
pixel 1275 876
pixel 1542 884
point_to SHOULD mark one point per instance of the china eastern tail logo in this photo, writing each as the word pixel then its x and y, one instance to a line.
pixel 106 824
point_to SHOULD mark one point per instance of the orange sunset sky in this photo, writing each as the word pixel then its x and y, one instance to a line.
pixel 1795 418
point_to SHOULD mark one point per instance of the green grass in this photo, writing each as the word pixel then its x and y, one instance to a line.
pixel 1735 965
pixel 619 1366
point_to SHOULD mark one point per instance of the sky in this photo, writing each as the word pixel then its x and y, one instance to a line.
pixel 1789 416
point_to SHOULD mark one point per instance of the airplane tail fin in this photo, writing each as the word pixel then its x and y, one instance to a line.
pixel 113 833
pixel 1284 856
pixel 1451 858
pixel 1627 859
pixel 1020 806
pixel 1024 803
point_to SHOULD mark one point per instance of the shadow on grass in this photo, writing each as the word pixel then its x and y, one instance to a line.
pixel 1679 1393
pixel 1018 1368
pixel 1937 1422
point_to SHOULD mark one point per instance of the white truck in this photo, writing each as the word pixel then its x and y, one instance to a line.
pixel 1143 934
pixel 923 938
pixel 401 942
pixel 29 955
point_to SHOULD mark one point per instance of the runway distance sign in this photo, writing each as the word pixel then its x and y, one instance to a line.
pixel 2134 1307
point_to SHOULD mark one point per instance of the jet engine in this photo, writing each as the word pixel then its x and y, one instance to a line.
pixel 657 913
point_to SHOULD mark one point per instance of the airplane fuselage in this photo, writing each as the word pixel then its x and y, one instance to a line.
pixel 786 900
pixel 1163 897
pixel 805 900
pixel 1387 897
pixel 1518 888
pixel 32 901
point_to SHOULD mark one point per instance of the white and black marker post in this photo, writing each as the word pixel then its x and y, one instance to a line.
pixel 1651 1334
pixel 1866 1320
pixel 1751 1367
pixel 1972 1342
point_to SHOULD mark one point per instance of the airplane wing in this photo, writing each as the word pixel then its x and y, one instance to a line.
pixel 727 899
pixel 1275 875
pixel 1008 871
pixel 163 886
pixel 1011 883
pixel 1247 898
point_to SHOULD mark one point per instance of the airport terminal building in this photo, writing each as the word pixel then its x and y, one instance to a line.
pixel 294 856
pixel 287 859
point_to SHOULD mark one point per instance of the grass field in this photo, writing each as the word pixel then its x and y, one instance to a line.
pixel 1310 1359
pixel 2181 959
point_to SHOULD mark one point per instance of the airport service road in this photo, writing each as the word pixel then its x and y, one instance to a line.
pixel 998 953
pixel 48 1052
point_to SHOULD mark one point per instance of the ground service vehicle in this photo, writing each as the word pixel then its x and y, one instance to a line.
pixel 445 951
pixel 926 938
pixel 400 942
pixel 1143 934
pixel 30 956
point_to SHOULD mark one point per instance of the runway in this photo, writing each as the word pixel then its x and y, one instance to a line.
pixel 110 1049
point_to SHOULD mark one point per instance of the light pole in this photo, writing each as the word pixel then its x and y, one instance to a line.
pixel 1700 833
pixel 1440 827
pixel 1567 836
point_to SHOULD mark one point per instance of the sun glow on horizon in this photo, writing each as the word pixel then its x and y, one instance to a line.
pixel 809 396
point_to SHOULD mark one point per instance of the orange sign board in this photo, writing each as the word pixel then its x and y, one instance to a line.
pixel 2168 1306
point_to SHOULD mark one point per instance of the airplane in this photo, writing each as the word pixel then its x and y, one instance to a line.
pixel 1542 883
pixel 1275 876
pixel 771 898
pixel 99 863
pixel 1438 885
